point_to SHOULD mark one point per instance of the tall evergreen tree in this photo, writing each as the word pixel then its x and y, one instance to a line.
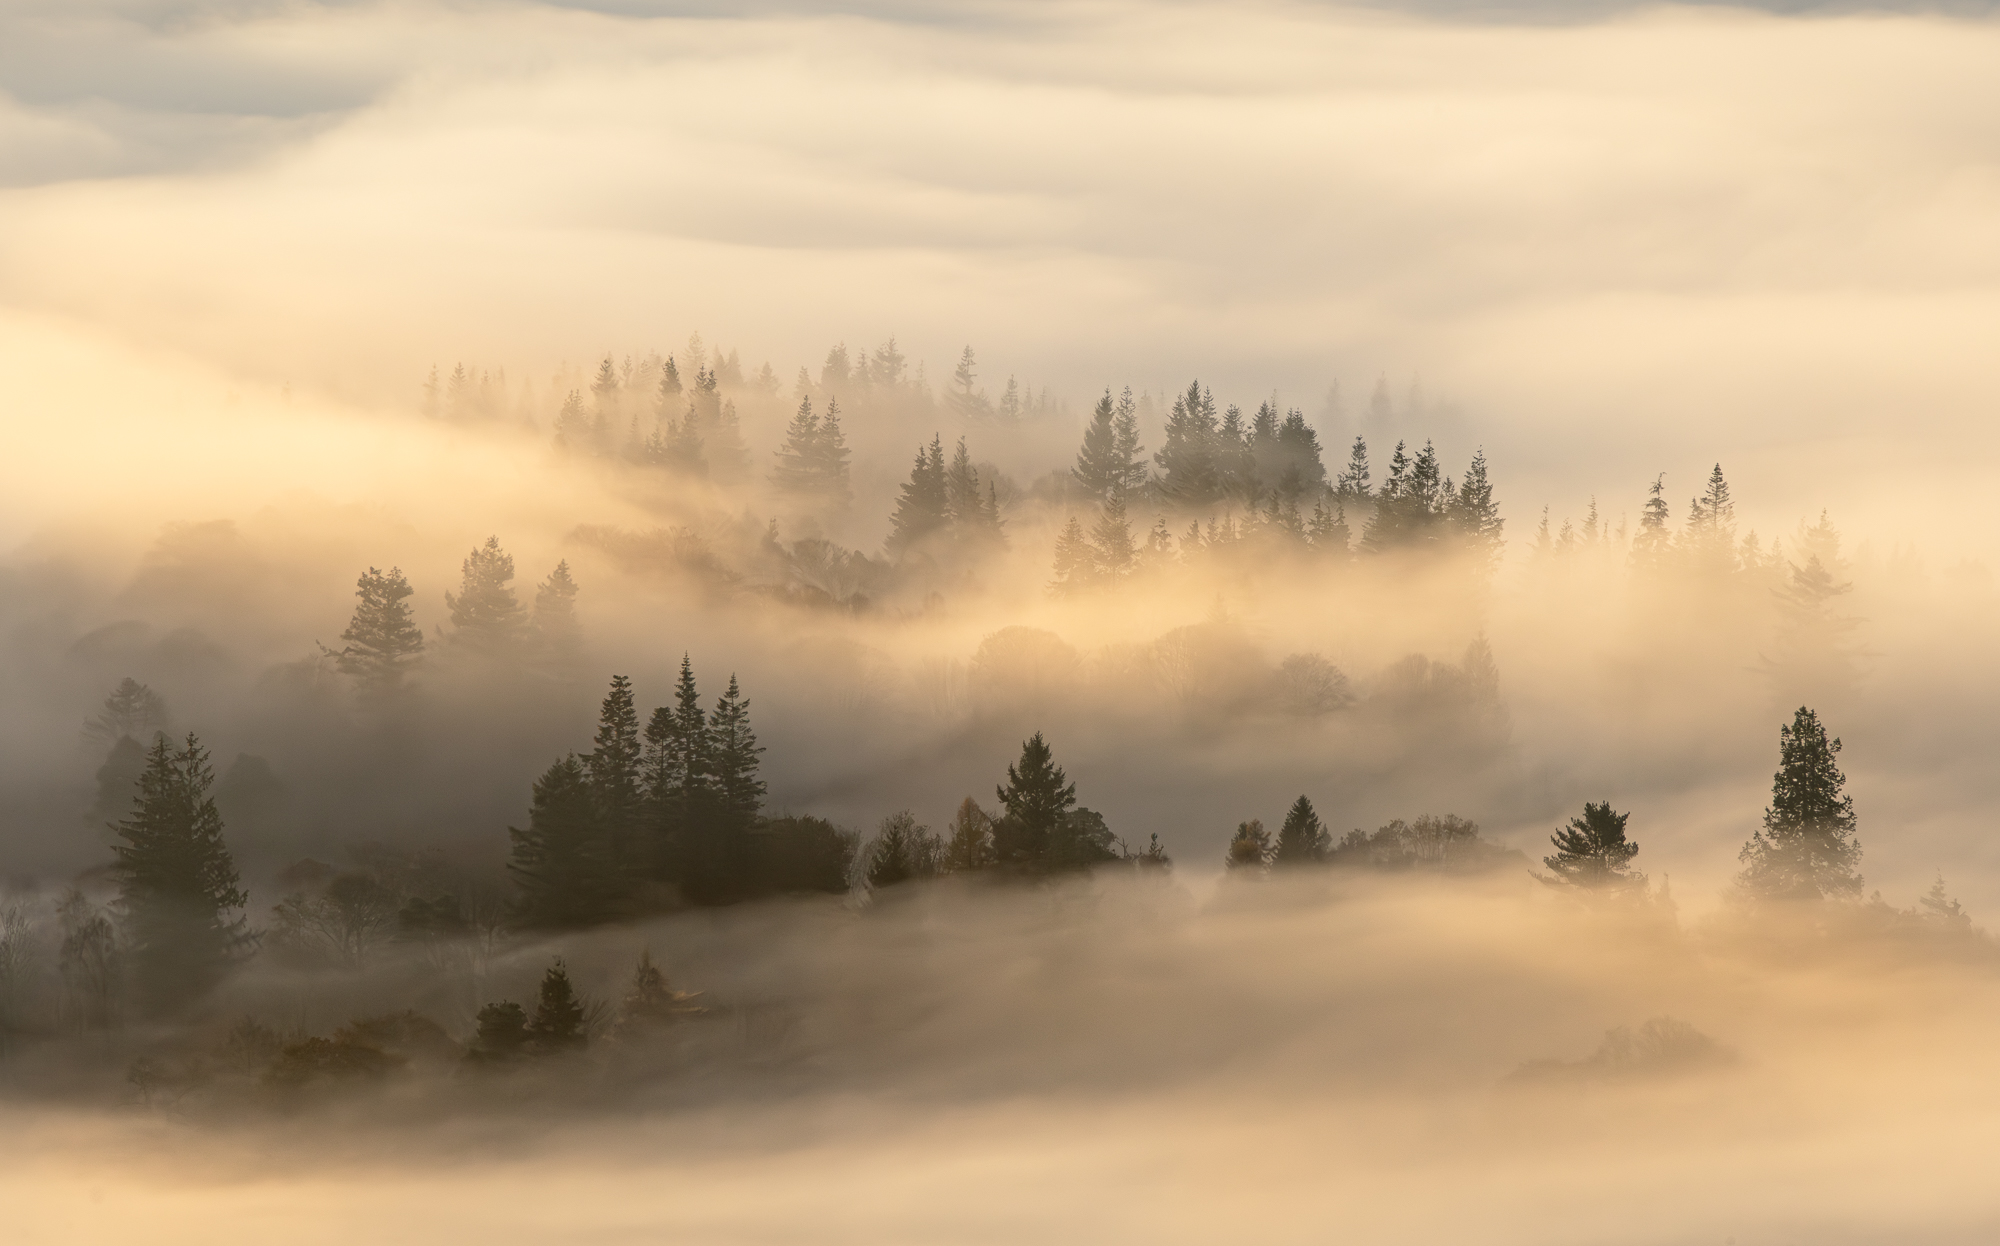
pixel 1807 848
pixel 1303 473
pixel 1328 531
pixel 558 1022
pixel 485 616
pixel 1301 840
pixel 562 861
pixel 829 465
pixel 1351 486
pixel 974 526
pixel 1098 468
pixel 1076 562
pixel 383 643
pixel 616 782
pixel 177 882
pixel 1125 442
pixel 1190 476
pixel 1711 526
pixel 1036 796
pixel 1474 518
pixel 924 508
pixel 733 760
pixel 797 455
pixel 1592 851
pixel 676 764
pixel 1114 551
pixel 961 398
pixel 557 636
pixel 667 395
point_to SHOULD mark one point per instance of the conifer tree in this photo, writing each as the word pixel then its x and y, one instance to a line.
pixel 829 460
pixel 616 782
pixel 924 507
pixel 1076 563
pixel 558 1022
pixel 573 434
pixel 1301 840
pixel 1351 486
pixel 554 627
pixel 1249 848
pixel 964 502
pixel 1125 442
pixel 903 850
pixel 562 861
pixel 1303 472
pixel 1711 526
pixel 177 882
pixel 1474 517
pixel 1010 403
pixel 733 751
pixel 1807 849
pixel 960 398
pixel 1036 796
pixel 667 396
pixel 1112 547
pixel 502 1034
pixel 797 456
pixel 676 765
pixel 1190 476
pixel 132 711
pixel 1328 531
pixel 1098 467
pixel 485 616
pixel 383 643
pixel 1592 851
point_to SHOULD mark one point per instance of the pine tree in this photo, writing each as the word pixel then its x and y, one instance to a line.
pixel 903 850
pixel 1249 848
pixel 573 434
pixel 1076 563
pixel 1654 542
pixel 733 760
pixel 1125 442
pixel 1303 472
pixel 616 782
pixel 1010 403
pixel 562 862
pixel 1036 796
pixel 964 503
pixel 485 616
pixel 1112 547
pixel 1351 486
pixel 1301 840
pixel 1711 526
pixel 963 402
pixel 1806 850
pixel 1475 520
pixel 924 507
pixel 558 1021
pixel 798 455
pixel 676 765
pixel 605 390
pixel 502 1035
pixel 1098 468
pixel 1938 906
pixel 829 469
pixel 132 711
pixel 383 642
pixel 557 636
pixel 1592 851
pixel 177 882
pixel 1190 476
pixel 667 396
pixel 1328 532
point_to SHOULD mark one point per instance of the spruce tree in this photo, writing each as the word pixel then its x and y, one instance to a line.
pixel 557 636
pixel 572 433
pixel 1807 849
pixel 733 761
pixel 1036 796
pixel 797 455
pixel 1592 851
pixel 1115 552
pixel 1351 485
pixel 1328 531
pixel 1301 840
pixel 616 783
pixel 131 711
pixel 177 882
pixel 973 514
pixel 502 1035
pixel 1475 520
pixel 558 1022
pixel 1099 469
pixel 1303 472
pixel 485 617
pixel 830 477
pixel 562 861
pixel 1076 562
pixel 676 766
pixel 667 396
pixel 1190 476
pixel 924 508
pixel 383 643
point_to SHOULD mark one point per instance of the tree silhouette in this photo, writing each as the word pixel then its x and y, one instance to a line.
pixel 177 882
pixel 485 616
pixel 1036 796
pixel 1592 851
pixel 1806 850
pixel 131 711
pixel 383 643
pixel 558 1021
pixel 1301 840
pixel 1249 848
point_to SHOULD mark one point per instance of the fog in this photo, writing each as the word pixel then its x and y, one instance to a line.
pixel 244 247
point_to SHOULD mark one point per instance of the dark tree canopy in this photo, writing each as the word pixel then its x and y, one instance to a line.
pixel 1592 851
pixel 177 882
pixel 1036 796
pixel 383 641
pixel 1301 840
pixel 1806 850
